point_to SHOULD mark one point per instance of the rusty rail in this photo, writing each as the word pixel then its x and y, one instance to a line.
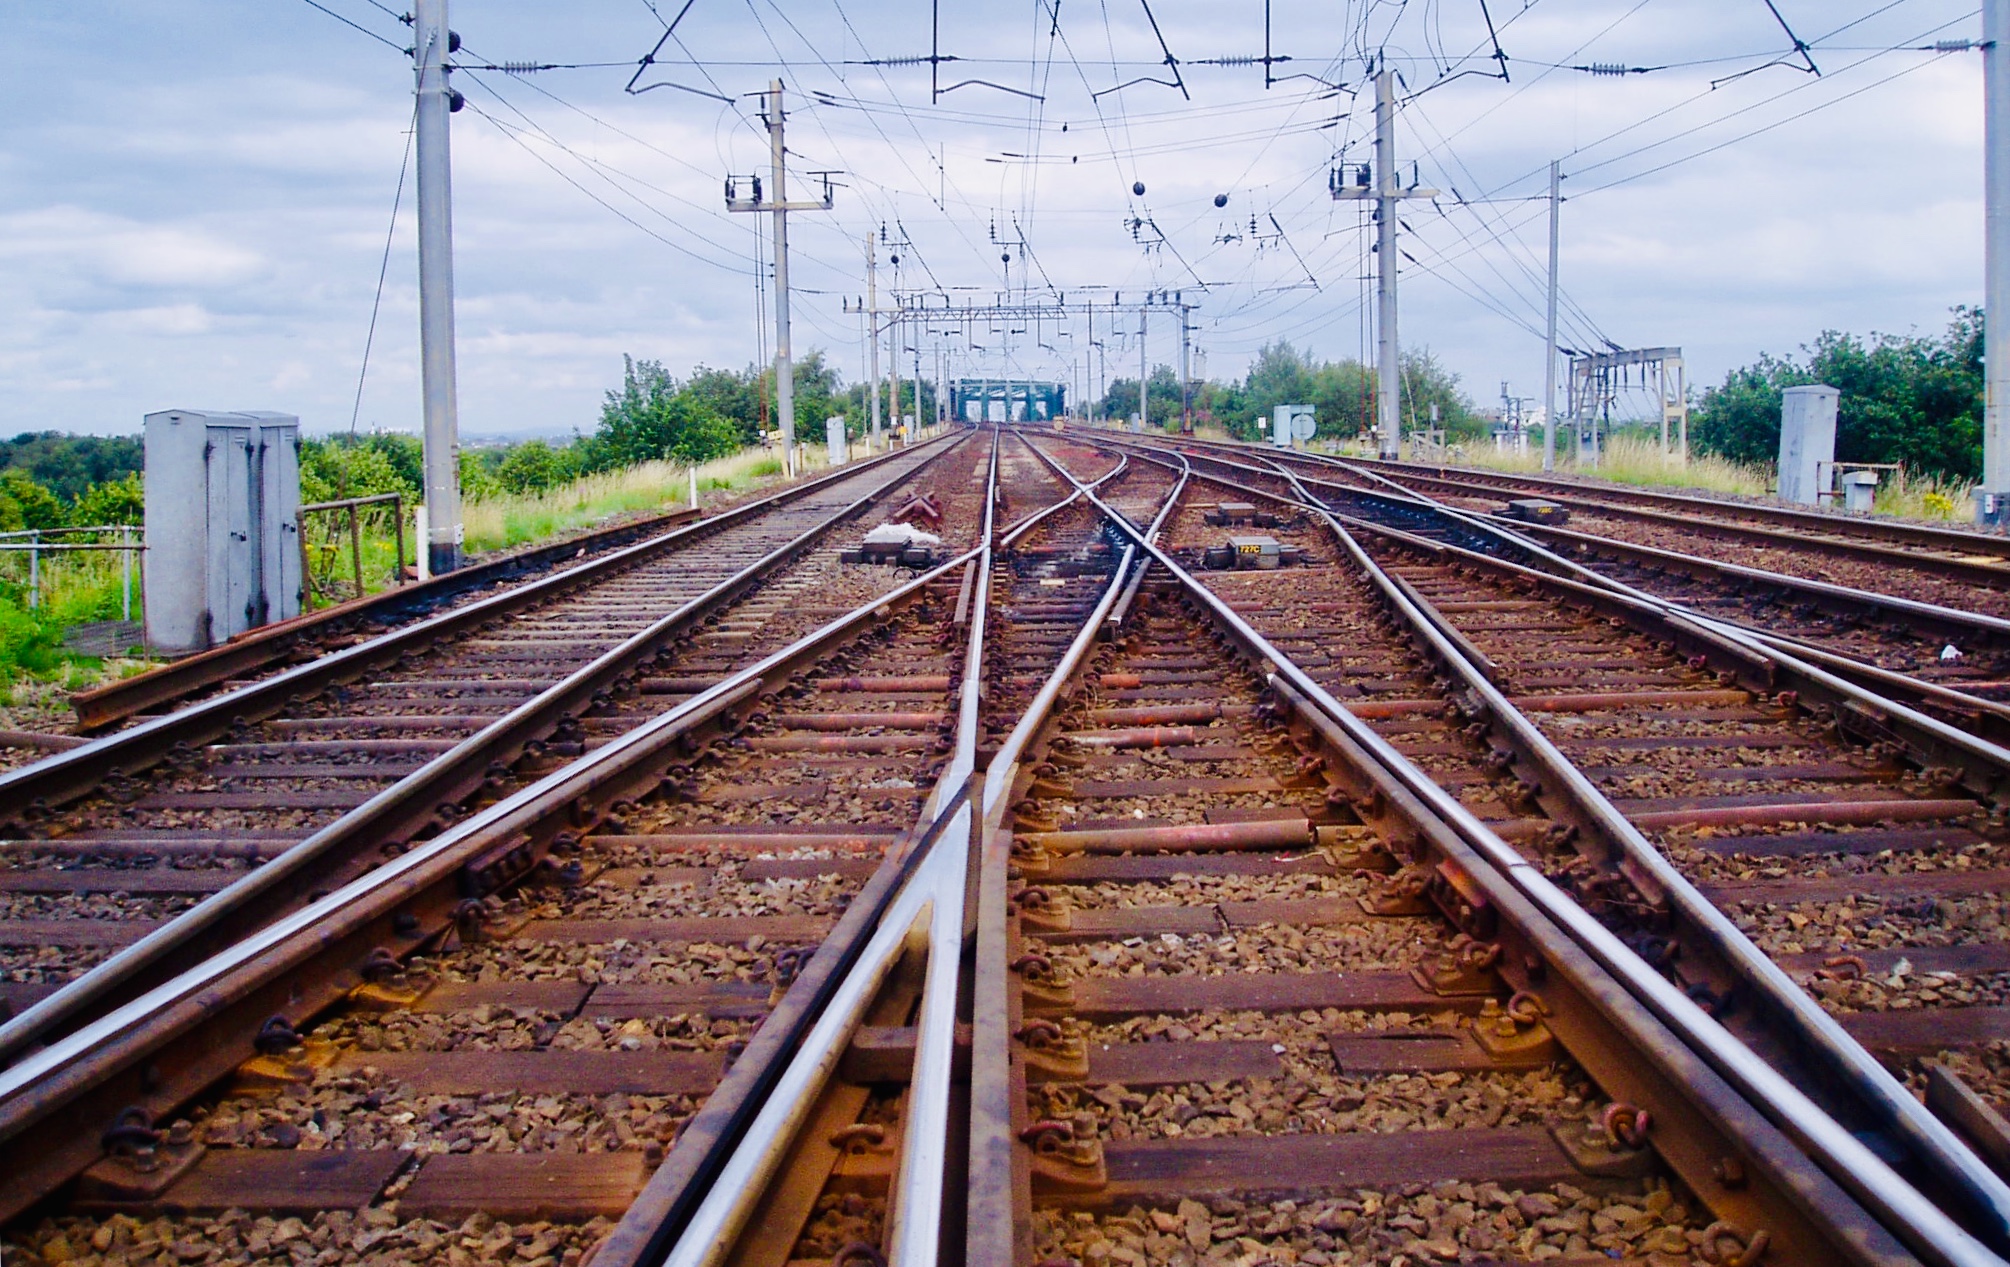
pixel 398 812
pixel 1917 1220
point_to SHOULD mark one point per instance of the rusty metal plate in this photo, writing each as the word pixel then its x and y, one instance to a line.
pixel 1853 843
pixel 1113 788
pixel 647 999
pixel 1086 869
pixel 1168 1064
pixel 1883 887
pixel 559 997
pixel 77 932
pixel 1420 1051
pixel 117 880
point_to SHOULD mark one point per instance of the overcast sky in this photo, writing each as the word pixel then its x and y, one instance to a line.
pixel 195 195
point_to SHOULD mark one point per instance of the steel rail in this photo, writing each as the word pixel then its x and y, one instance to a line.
pixel 1954 567
pixel 1935 740
pixel 989 1205
pixel 930 911
pixel 324 857
pixel 1933 1144
pixel 88 1076
pixel 305 634
pixel 915 1205
pixel 55 780
pixel 1917 1221
pixel 1967 541
pixel 1992 717
pixel 1936 1148
pixel 1946 621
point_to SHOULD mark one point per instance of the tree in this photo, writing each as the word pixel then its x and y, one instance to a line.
pixel 651 419
pixel 1903 399
pixel 67 465
pixel 342 466
pixel 530 467
pixel 36 506
pixel 119 501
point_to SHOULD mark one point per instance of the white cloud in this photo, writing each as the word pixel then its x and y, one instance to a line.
pixel 233 195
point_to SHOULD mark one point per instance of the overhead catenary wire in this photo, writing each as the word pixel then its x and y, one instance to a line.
pixel 383 271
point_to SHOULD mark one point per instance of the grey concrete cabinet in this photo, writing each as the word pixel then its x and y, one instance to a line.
pixel 223 546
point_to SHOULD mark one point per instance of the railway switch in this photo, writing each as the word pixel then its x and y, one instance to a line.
pixel 1537 510
pixel 1246 552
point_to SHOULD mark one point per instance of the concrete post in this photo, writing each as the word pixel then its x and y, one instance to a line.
pixel 1993 504
pixel 785 372
pixel 1387 371
pixel 436 287
pixel 1549 361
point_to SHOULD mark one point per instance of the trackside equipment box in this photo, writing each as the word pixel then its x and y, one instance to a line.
pixel 223 547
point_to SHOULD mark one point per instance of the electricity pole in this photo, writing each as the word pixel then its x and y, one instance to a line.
pixel 1185 372
pixel 893 361
pixel 872 328
pixel 785 374
pixel 1993 504
pixel 1388 193
pixel 1144 413
pixel 430 47
pixel 1549 361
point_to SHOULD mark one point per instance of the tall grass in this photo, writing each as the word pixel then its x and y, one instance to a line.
pixel 76 587
pixel 1925 496
pixel 1631 458
pixel 1627 459
pixel 497 523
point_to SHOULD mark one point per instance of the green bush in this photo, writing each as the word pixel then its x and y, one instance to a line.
pixel 27 644
pixel 1904 399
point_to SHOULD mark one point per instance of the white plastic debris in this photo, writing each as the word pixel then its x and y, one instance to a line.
pixel 1949 653
pixel 900 535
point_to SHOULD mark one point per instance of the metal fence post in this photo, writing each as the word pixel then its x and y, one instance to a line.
pixel 306 560
pixel 356 548
pixel 34 570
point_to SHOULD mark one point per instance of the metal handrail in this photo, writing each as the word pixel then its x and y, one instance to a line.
pixel 352 505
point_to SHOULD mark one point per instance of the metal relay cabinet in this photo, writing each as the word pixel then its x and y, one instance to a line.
pixel 223 548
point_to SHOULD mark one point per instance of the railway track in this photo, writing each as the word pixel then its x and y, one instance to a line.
pixel 1613 736
pixel 342 625
pixel 1949 661
pixel 131 857
pixel 1062 903
pixel 1950 565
